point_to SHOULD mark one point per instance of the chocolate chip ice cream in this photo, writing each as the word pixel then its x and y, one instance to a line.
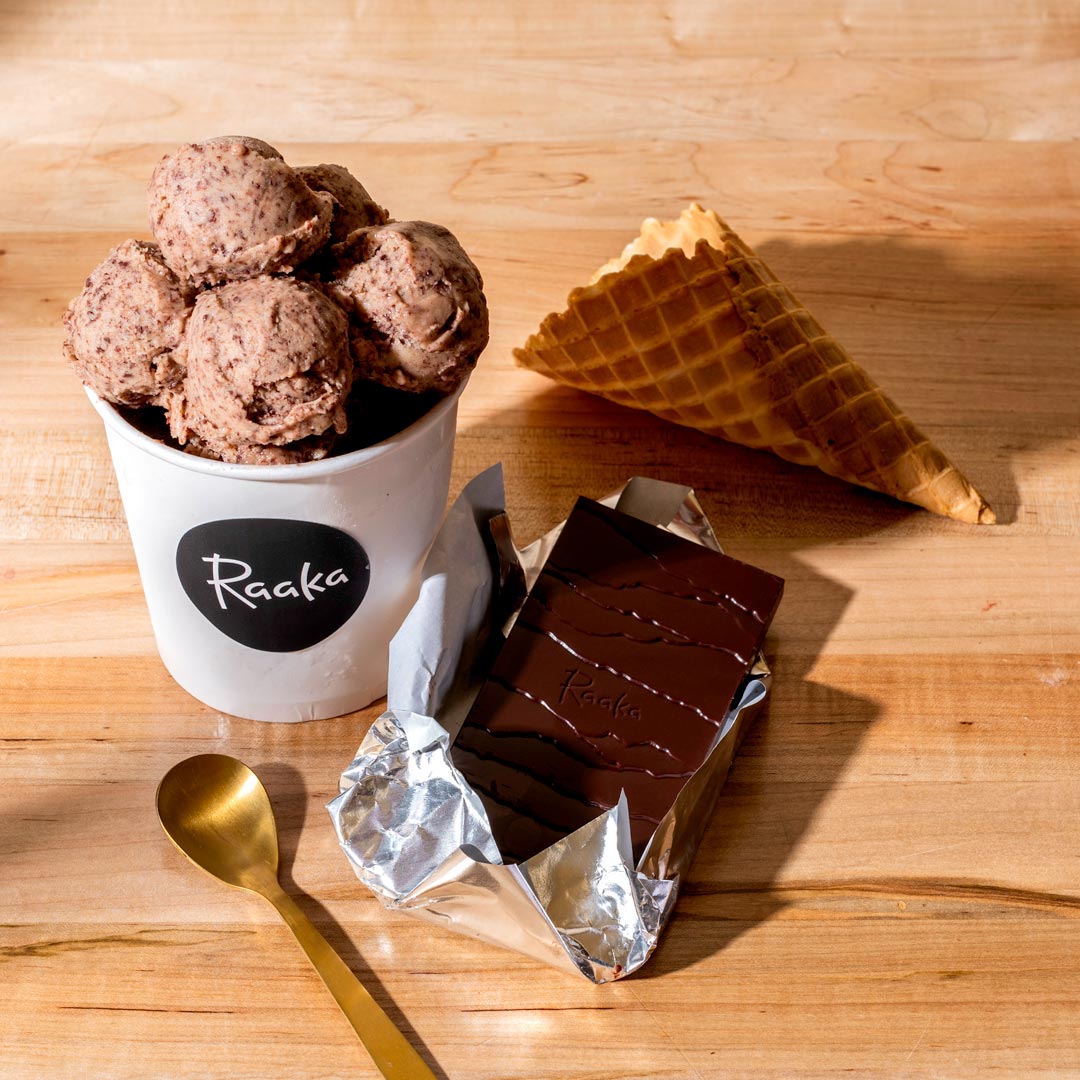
pixel 420 299
pixel 124 328
pixel 268 365
pixel 281 308
pixel 230 208
pixel 354 208
pixel 313 448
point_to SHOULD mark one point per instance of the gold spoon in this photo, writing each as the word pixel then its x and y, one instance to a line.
pixel 215 810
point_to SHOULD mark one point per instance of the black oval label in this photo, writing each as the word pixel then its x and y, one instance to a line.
pixel 273 584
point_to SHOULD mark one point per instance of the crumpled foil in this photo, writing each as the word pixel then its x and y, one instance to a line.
pixel 416 833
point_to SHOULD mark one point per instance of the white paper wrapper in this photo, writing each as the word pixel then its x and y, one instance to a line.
pixel 415 832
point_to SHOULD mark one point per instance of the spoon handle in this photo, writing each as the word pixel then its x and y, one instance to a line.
pixel 389 1049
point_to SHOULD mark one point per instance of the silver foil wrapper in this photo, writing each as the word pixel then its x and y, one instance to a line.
pixel 415 832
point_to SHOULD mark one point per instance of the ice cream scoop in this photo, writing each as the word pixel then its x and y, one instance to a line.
pixel 231 208
pixel 354 208
pixel 125 325
pixel 411 289
pixel 269 292
pixel 268 364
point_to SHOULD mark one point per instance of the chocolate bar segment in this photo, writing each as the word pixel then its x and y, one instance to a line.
pixel 616 676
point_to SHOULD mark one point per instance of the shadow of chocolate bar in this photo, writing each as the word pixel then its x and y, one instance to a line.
pixel 617 676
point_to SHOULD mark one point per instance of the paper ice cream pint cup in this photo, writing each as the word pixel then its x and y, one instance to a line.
pixel 274 590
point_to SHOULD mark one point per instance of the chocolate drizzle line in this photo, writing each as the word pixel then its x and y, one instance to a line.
pixel 588 507
pixel 674 637
pixel 619 674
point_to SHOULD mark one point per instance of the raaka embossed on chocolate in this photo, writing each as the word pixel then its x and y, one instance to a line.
pixel 616 676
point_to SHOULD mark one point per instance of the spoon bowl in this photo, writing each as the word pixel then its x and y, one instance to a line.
pixel 215 810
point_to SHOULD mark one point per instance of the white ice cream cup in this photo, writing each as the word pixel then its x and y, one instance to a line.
pixel 255 575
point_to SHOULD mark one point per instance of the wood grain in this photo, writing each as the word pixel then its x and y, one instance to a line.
pixel 562 31
pixel 889 886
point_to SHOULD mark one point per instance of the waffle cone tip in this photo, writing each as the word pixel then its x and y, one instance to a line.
pixel 976 511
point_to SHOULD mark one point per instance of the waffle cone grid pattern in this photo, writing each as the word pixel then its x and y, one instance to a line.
pixel 717 343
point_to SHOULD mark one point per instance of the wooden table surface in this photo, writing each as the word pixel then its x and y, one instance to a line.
pixel 891 885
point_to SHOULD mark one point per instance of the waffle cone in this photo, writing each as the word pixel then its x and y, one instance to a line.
pixel 691 325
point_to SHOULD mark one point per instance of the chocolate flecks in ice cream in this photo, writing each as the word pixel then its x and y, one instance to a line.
pixel 280 317
pixel 255 145
pixel 227 209
pixel 268 364
pixel 419 297
pixel 313 448
pixel 354 208
pixel 124 327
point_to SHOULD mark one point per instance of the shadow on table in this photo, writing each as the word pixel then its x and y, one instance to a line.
pixel 764 511
pixel 791 758
pixel 977 360
pixel 288 794
pixel 976 341
pixel 984 356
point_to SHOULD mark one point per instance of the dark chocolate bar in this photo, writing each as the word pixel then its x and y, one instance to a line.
pixel 617 675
